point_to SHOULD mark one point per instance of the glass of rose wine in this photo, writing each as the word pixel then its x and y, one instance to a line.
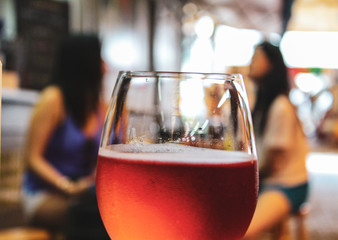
pixel 177 158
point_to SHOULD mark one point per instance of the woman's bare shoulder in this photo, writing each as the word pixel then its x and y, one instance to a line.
pixel 51 102
pixel 52 94
pixel 282 103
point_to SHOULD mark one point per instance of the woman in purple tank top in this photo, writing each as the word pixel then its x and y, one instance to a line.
pixel 64 133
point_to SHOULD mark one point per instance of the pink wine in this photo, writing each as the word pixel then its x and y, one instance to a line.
pixel 191 195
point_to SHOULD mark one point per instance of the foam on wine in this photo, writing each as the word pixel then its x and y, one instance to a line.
pixel 182 154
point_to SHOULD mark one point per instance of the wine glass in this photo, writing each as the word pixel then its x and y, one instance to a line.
pixel 177 158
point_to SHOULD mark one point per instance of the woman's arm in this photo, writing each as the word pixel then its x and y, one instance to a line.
pixel 273 161
pixel 47 114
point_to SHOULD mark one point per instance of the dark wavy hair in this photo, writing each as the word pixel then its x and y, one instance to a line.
pixel 78 72
pixel 274 83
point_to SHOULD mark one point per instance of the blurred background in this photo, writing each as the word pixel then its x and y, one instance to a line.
pixel 178 35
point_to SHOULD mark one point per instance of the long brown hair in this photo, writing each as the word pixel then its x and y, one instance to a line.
pixel 271 85
pixel 78 72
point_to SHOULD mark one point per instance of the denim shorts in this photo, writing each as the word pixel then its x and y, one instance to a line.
pixel 297 195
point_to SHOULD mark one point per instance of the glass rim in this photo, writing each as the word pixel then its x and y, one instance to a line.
pixel 176 74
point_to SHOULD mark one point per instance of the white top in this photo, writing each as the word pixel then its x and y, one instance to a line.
pixel 283 131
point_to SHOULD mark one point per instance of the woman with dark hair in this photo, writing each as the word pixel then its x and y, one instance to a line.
pixel 281 143
pixel 64 133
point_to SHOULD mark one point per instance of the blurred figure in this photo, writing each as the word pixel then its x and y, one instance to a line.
pixel 281 143
pixel 327 130
pixel 64 134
